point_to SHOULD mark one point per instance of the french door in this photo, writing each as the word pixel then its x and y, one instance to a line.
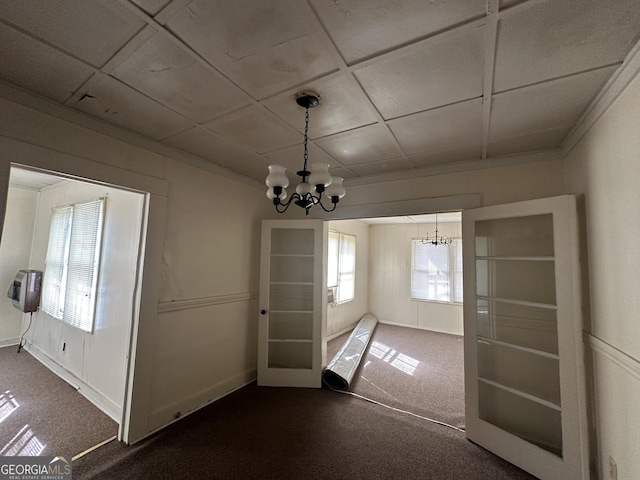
pixel 292 303
pixel 524 365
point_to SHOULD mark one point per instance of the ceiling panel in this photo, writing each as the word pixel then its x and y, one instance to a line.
pixel 205 144
pixel 440 128
pixel 402 82
pixel 530 142
pixel 553 104
pixel 382 166
pixel 151 6
pixel 165 72
pixel 224 32
pixel 445 71
pixel 463 153
pixel 366 144
pixel 552 39
pixel 280 67
pixel 254 167
pixel 363 28
pixel 293 157
pixel 48 72
pixel 107 98
pixel 256 128
pixel 91 30
pixel 342 107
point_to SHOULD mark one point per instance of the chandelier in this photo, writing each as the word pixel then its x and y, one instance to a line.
pixel 437 240
pixel 314 182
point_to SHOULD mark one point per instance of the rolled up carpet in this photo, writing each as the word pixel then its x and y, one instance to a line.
pixel 340 371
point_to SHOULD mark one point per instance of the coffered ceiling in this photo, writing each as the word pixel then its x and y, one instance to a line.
pixel 404 84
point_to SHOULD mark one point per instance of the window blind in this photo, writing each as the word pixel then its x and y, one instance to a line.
pixel 72 265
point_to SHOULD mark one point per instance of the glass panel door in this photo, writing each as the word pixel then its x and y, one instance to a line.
pixel 292 313
pixel 523 342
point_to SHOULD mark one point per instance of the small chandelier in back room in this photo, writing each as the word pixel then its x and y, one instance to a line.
pixel 315 181
pixel 437 240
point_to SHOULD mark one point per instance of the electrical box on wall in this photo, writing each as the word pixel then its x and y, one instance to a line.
pixel 24 291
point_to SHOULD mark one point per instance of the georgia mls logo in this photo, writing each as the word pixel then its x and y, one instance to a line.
pixel 59 466
pixel 35 468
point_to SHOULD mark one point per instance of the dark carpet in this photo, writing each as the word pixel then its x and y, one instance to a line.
pixel 296 433
pixel 41 414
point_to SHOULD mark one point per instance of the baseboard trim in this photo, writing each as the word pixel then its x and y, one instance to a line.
pixel 100 401
pixel 166 416
pixel 620 358
pixel 418 327
pixel 9 342
pixel 344 330
pixel 177 305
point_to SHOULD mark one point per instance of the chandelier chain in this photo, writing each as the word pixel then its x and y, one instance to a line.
pixel 306 130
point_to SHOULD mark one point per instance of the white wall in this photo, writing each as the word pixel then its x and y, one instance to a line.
pixel 15 253
pixel 197 331
pixel 390 284
pixel 344 316
pixel 97 359
pixel 207 328
pixel 603 169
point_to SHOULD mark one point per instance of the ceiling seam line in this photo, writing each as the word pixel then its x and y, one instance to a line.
pixel 490 47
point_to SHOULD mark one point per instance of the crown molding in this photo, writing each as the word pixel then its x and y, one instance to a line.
pixel 618 82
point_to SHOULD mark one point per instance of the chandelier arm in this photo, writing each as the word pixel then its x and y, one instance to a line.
pixel 286 204
pixel 325 209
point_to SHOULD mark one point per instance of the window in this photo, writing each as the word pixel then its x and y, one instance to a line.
pixel 71 266
pixel 436 272
pixel 341 266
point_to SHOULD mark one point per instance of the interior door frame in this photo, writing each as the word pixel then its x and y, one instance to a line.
pixel 575 460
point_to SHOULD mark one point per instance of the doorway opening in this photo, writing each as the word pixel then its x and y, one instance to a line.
pixel 415 358
pixel 96 362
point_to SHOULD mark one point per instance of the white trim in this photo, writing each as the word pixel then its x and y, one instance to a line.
pixel 404 207
pixel 468 166
pixel 620 358
pixel 100 401
pixel 420 327
pixel 618 82
pixel 9 342
pixel 167 415
pixel 188 303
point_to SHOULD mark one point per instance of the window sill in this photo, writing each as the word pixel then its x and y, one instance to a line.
pixel 440 302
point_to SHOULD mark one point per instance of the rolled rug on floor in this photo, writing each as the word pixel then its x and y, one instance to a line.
pixel 338 374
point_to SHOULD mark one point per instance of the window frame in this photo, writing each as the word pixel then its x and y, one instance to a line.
pixel 340 263
pixel 80 257
pixel 454 272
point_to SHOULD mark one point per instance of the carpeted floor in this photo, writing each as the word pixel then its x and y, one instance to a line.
pixel 297 433
pixel 414 370
pixel 40 414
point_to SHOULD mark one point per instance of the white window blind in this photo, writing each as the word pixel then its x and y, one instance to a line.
pixel 69 292
pixel 436 272
pixel 341 265
pixel 53 285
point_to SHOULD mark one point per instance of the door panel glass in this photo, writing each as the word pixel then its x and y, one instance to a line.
pixel 290 325
pixel 292 241
pixel 517 335
pixel 522 325
pixel 290 355
pixel 291 269
pixel 521 370
pixel 291 298
pixel 525 418
pixel 529 281
pixel 515 237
